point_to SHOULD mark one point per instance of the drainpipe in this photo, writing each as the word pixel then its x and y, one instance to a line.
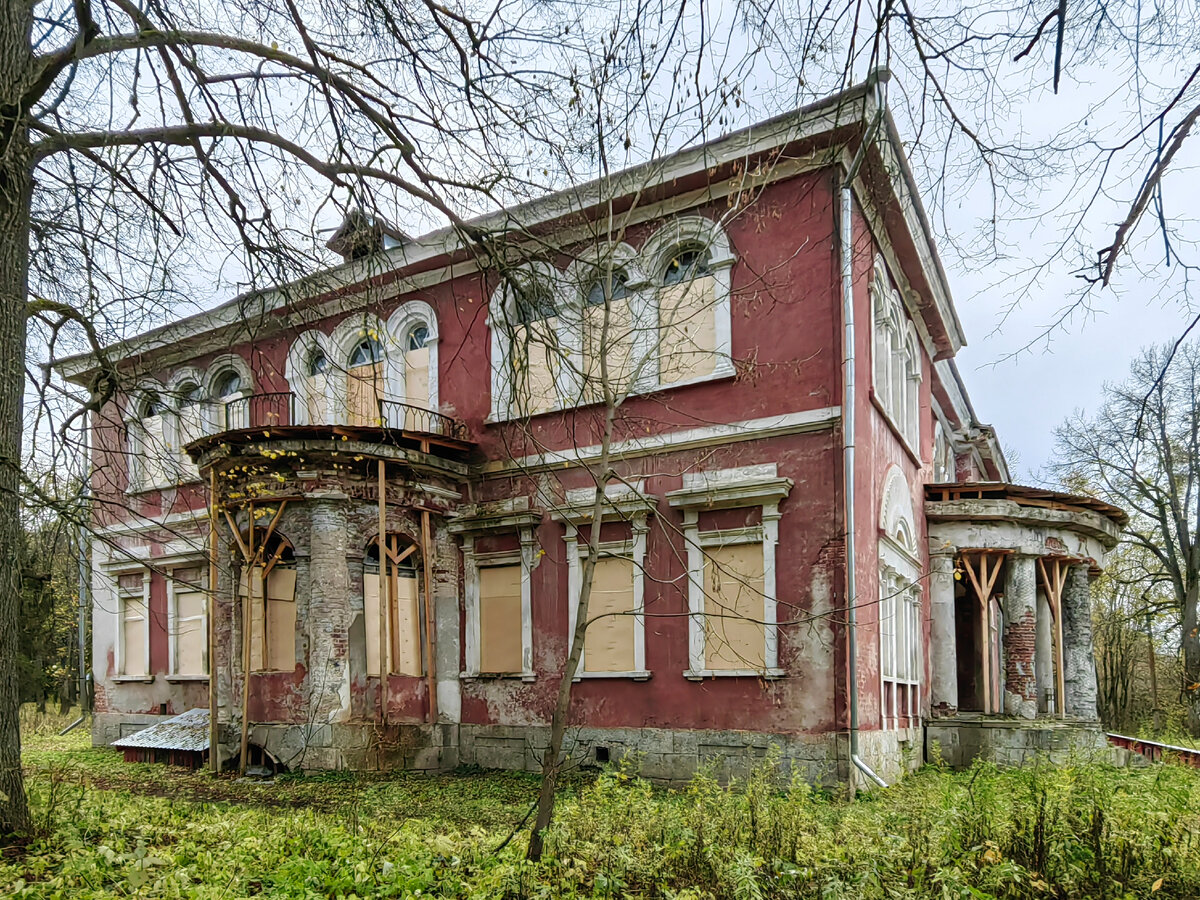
pixel 848 399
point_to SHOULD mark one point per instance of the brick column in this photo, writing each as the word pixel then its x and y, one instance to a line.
pixel 943 650
pixel 328 622
pixel 1079 661
pixel 1020 638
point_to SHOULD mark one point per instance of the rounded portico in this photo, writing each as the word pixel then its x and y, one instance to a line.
pixel 1010 632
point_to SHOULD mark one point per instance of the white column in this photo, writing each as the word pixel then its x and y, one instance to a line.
pixel 943 649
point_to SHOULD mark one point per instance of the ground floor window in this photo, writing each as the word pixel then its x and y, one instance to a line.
pixel 188 622
pixel 398 626
pixel 133 592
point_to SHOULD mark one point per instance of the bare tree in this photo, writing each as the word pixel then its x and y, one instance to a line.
pixel 1141 452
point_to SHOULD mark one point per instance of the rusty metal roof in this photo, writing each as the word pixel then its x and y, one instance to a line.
pixel 188 731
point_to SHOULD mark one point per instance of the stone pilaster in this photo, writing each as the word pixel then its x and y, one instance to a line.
pixel 1078 657
pixel 1020 638
pixel 943 651
pixel 329 611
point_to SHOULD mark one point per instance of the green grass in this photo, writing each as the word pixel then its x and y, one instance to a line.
pixel 111 829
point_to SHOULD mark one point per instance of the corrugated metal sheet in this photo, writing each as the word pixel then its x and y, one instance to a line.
pixel 188 731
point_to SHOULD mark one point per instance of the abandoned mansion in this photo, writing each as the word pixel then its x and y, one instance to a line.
pixel 710 401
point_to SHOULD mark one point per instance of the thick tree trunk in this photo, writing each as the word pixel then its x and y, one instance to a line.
pixel 16 185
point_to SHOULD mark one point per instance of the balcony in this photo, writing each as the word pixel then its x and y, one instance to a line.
pixel 279 409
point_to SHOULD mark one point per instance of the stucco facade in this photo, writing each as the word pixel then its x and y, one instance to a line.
pixel 728 490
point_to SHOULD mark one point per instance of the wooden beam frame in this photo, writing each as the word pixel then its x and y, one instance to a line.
pixel 984 582
pixel 1053 571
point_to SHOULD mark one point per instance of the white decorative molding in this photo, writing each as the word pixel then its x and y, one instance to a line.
pixel 726 488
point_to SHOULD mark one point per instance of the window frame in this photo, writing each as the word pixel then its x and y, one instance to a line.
pixel 572 288
pixel 500 517
pixel 743 487
pixel 899 567
pixel 897 367
pixel 122 596
pixel 623 504
pixel 174 620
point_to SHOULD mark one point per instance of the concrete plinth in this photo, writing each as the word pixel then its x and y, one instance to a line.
pixel 1013 742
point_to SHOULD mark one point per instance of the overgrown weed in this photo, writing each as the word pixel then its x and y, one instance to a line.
pixel 1076 830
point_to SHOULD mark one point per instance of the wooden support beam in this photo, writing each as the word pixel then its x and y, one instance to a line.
pixel 1054 571
pixel 385 600
pixel 247 619
pixel 430 637
pixel 984 582
pixel 214 745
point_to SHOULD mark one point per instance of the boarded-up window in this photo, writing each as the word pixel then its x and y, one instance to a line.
pixel 316 387
pixel 735 636
pixel 535 365
pixel 272 618
pixel 131 598
pixel 416 376
pixel 614 343
pixel 403 625
pixel 608 644
pixel 687 330
pixel 500 649
pixel 365 383
pixel 189 622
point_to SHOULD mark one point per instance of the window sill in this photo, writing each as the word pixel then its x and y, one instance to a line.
pixel 701 674
pixel 132 679
pixel 497 676
pixel 720 373
pixel 632 676
pixel 174 679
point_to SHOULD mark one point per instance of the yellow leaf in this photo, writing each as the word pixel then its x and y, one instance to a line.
pixel 1154 887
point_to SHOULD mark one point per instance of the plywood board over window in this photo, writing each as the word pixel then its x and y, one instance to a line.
pixel 535 363
pixel 131 588
pixel 364 391
pixel 615 343
pixel 609 642
pixel 500 643
pixel 272 618
pixel 403 623
pixel 189 622
pixel 733 607
pixel 687 330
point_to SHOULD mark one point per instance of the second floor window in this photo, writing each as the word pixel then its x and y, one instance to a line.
pixel 365 380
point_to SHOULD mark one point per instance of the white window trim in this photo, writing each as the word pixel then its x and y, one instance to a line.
pixel 173 621
pixel 119 649
pixel 891 320
pixel 137 446
pixel 399 324
pixel 723 489
pixel 299 381
pixel 899 561
pixel 343 340
pixel 216 405
pixel 644 267
pixel 623 505
pixel 472 563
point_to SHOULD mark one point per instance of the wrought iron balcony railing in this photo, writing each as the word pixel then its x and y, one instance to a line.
pixel 268 410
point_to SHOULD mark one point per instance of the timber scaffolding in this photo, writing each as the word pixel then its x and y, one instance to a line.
pixel 260 427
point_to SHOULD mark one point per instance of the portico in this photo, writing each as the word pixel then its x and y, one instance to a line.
pixel 1012 669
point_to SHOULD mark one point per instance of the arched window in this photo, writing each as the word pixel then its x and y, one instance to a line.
pixel 688 261
pixel 316 387
pixel 397 626
pixel 413 330
pixel 610 357
pixel 365 382
pixel 686 264
pixel 532 344
pixel 896 357
pixel 230 396
pixel 268 585
pixel 152 457
pixel 900 621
